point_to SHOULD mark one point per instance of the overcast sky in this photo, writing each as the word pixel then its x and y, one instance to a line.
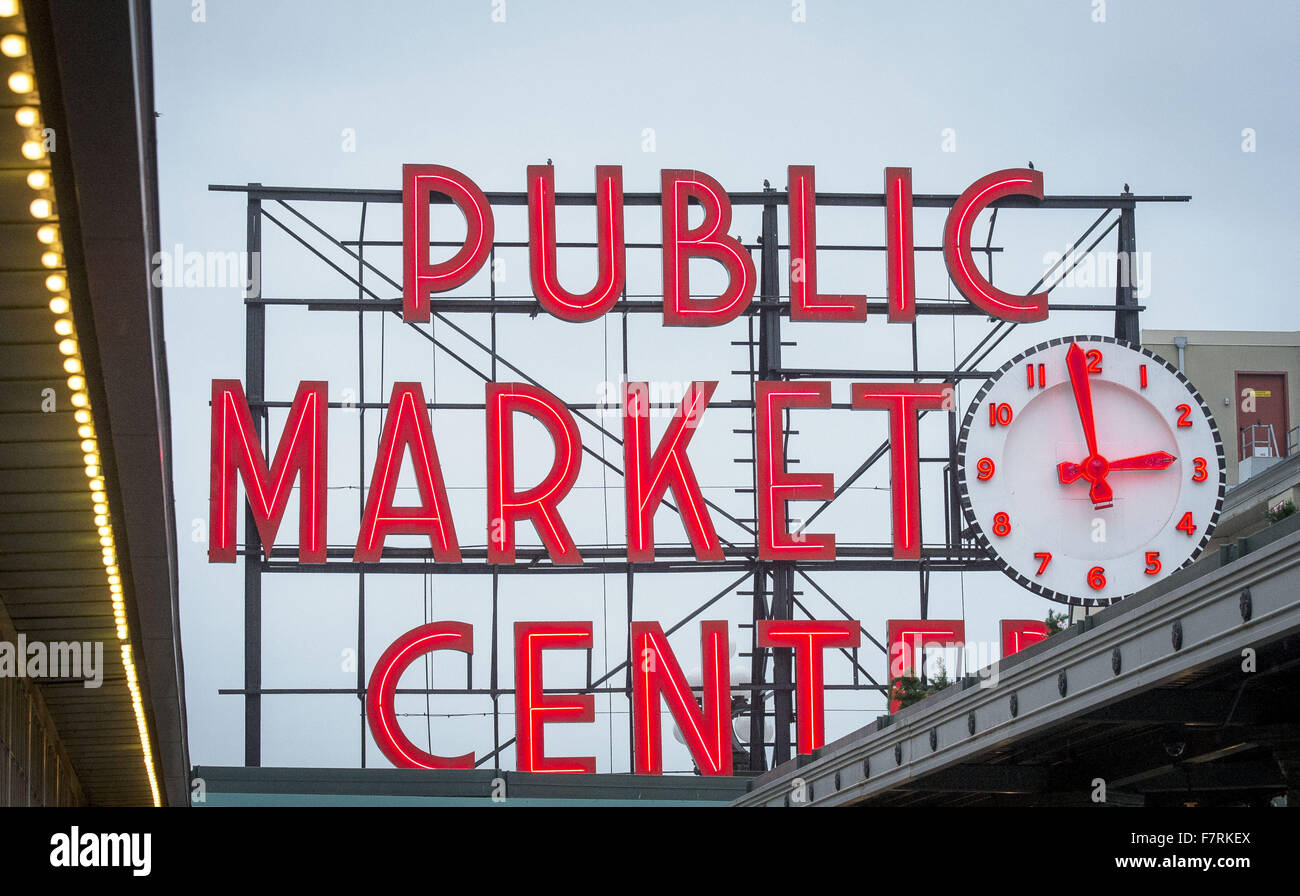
pixel 1169 97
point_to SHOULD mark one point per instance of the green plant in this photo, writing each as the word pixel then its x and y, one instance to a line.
pixel 909 689
pixel 1281 511
pixel 1055 622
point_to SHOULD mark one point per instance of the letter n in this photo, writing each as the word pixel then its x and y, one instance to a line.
pixel 707 729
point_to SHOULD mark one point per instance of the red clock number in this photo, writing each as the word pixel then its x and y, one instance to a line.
pixel 1001 524
pixel 986 469
pixel 1044 558
pixel 1097 578
pixel 1200 475
pixel 1186 524
pixel 1094 361
pixel 1142 375
pixel 1041 380
pixel 1184 415
pixel 999 414
pixel 1153 563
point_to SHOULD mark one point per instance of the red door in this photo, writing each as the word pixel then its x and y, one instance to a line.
pixel 1261 399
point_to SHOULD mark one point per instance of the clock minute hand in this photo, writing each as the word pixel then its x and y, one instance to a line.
pixel 1077 364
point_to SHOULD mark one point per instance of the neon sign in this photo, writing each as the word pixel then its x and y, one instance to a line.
pixel 652 468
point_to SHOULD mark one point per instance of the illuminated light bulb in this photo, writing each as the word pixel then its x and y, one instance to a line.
pixel 47 234
pixel 41 208
pixel 80 400
pixel 88 445
pixel 92 470
pixel 56 283
pixel 97 485
pixel 26 116
pixel 38 180
pixel 76 383
pixel 104 530
pixel 85 432
pixel 68 347
pixel 106 541
pixel 63 327
pixel 101 507
pixel 52 259
pixel 100 520
pixel 8 8
pixel 114 579
pixel 13 45
pixel 116 589
pixel 121 633
pixel 32 151
pixel 112 570
pixel 91 459
pixel 21 82
pixel 59 305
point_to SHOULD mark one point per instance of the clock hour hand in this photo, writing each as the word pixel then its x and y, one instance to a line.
pixel 1157 460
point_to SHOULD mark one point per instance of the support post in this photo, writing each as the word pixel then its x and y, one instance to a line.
pixel 255 384
pixel 769 367
pixel 1127 327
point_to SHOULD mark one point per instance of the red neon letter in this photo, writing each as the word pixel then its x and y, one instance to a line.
pixel 809 638
pixel 957 247
pixel 707 731
pixel 649 478
pixel 899 249
pixel 419 276
pixel 533 709
pixel 904 401
pixel 805 302
pixel 380 712
pixel 1017 634
pixel 406 428
pixel 776 487
pixel 300 454
pixel 709 240
pixel 909 636
pixel 610 251
pixel 538 503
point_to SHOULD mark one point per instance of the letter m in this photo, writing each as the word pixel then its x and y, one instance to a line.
pixel 300 455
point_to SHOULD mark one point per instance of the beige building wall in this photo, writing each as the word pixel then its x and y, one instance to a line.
pixel 1211 359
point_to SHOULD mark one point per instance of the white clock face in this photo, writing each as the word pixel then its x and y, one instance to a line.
pixel 1090 469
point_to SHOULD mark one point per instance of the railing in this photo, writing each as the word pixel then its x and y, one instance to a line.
pixel 1257 440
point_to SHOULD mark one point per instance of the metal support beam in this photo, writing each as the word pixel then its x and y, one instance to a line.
pixel 255 386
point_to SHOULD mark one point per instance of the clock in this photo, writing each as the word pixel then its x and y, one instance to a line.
pixel 1090 468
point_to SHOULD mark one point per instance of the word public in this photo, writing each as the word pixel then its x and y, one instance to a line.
pixel 709 239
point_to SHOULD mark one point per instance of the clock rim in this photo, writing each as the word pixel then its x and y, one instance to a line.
pixel 964 495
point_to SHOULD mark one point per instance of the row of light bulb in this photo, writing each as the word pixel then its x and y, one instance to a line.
pixel 14 46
